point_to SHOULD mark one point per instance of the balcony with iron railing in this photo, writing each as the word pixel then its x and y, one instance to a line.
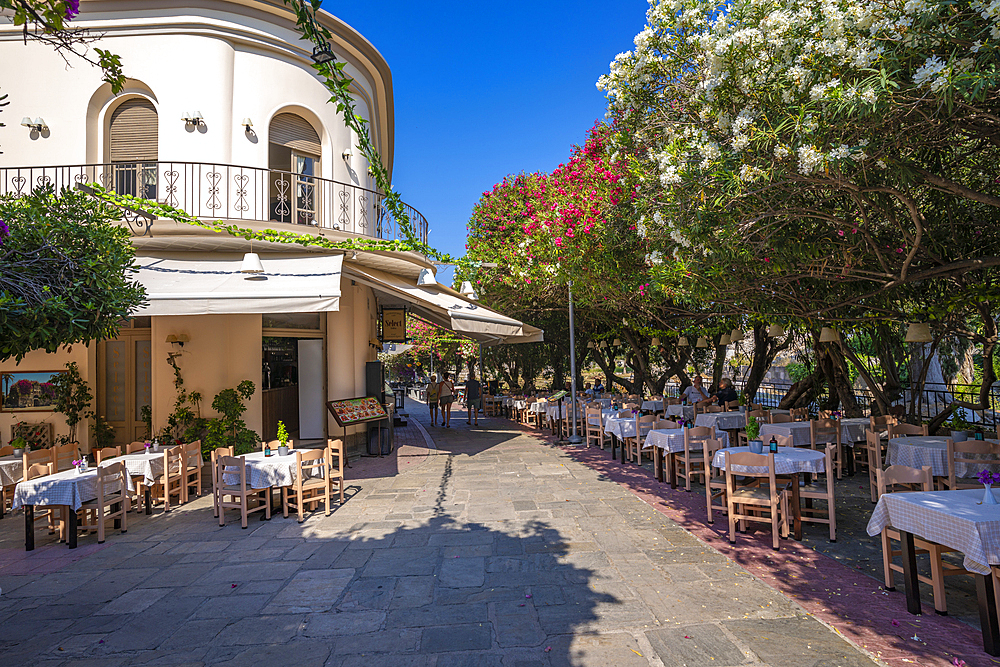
pixel 230 192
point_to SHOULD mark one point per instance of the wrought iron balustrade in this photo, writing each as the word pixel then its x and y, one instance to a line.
pixel 229 192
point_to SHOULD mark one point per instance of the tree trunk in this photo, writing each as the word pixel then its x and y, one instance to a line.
pixel 802 393
pixel 841 394
pixel 718 364
pixel 764 352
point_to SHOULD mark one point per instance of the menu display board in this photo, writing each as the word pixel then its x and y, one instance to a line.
pixel 394 325
pixel 559 395
pixel 352 411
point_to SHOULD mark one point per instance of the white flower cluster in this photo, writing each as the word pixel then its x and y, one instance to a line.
pixel 811 159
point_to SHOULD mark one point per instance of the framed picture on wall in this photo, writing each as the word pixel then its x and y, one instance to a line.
pixel 28 391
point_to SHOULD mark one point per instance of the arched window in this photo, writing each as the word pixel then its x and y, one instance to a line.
pixel 133 142
pixel 293 157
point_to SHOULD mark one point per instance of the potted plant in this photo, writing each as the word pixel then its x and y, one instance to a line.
pixel 20 445
pixel 72 398
pixel 753 435
pixel 282 439
pixel 743 403
pixel 958 427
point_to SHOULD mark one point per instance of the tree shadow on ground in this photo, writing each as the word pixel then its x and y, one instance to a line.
pixel 846 598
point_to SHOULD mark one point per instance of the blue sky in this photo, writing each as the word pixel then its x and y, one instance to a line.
pixel 483 90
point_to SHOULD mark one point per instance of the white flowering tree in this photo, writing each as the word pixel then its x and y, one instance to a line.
pixel 803 157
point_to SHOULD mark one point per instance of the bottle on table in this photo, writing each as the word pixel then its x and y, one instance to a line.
pixel 267 450
pixel 773 445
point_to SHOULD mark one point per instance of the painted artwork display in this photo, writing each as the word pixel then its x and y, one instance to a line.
pixel 352 411
pixel 28 391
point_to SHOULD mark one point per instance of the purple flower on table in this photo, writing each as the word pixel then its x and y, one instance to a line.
pixel 72 9
pixel 987 477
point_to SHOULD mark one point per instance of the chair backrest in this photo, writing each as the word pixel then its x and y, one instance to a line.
pixel 106 453
pixel 339 457
pixel 779 419
pixel 732 405
pixel 874 446
pixel 625 414
pixel 111 481
pixel 237 467
pixel 974 452
pixel 799 414
pixel 63 456
pixel 173 460
pixel 644 424
pixel 780 440
pixel 135 448
pixel 43 456
pixel 665 424
pixel 822 431
pixel 709 447
pixel 882 420
pixel 749 459
pixel 632 405
pixel 695 436
pixel 192 454
pixel 672 401
pixel 715 408
pixel 37 470
pixel 762 415
pixel 887 480
pixel 6 450
pixel 897 430
pixel 308 463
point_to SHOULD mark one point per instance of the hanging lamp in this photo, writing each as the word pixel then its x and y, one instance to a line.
pixel 828 335
pixel 702 342
pixel 918 332
pixel 726 339
pixel 682 341
pixel 775 331
pixel 251 262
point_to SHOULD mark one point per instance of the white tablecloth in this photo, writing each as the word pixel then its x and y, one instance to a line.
pixel 652 406
pixel 685 411
pixel 787 460
pixel 64 488
pixel 672 439
pixel 952 518
pixel 11 470
pixel 266 472
pixel 605 414
pixel 851 431
pixel 919 451
pixel 148 466
pixel 722 420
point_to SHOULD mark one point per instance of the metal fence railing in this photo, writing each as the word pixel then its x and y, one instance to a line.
pixel 230 192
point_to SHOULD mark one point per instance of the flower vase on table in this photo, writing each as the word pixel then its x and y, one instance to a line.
pixel 988 479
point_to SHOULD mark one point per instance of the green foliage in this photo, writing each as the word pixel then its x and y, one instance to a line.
pixel 230 430
pixel 73 397
pixel 65 272
pixel 146 414
pixel 282 434
pixel 753 428
pixel 184 420
pixel 798 371
pixel 102 432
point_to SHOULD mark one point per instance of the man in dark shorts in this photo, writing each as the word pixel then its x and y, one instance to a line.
pixel 473 397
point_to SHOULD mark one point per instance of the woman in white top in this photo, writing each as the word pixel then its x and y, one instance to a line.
pixel 446 396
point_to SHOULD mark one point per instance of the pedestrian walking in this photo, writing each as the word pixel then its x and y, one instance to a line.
pixel 432 399
pixel 446 396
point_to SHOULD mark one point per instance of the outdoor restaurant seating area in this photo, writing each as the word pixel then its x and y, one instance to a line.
pixel 926 491
pixel 62 493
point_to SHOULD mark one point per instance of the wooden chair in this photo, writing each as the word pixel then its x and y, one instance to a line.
pixel 873 445
pixel 779 419
pixel 799 414
pixel 171 482
pixel 715 479
pixel 902 429
pixel 46 514
pixel 689 463
pixel 911 479
pixel 769 497
pixel 824 431
pixel 594 421
pixel 714 408
pixel 763 416
pixel 102 455
pixel 881 424
pixel 339 458
pixel 239 493
pixel 112 501
pixel 822 490
pixel 216 482
pixel 135 448
pixel 671 401
pixel 63 456
pixel 643 425
pixel 976 454
pixel 192 464
pixel 274 444
pixel 6 450
pixel 662 423
pixel 312 482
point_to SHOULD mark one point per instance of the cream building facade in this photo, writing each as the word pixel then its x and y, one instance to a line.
pixel 223 117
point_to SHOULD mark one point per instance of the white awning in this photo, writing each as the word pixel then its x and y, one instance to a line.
pixel 446 308
pixel 197 284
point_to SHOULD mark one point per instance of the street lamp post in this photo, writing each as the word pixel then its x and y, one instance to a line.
pixel 575 438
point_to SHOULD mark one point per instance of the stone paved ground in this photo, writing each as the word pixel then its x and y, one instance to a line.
pixel 493 549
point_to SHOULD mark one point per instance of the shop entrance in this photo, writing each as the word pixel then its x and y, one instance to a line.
pixel 293 387
pixel 123 380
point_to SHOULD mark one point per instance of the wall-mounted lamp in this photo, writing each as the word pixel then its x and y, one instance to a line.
pixel 347 154
pixel 247 125
pixel 323 54
pixel 426 277
pixel 178 339
pixel 193 118
pixel 37 125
